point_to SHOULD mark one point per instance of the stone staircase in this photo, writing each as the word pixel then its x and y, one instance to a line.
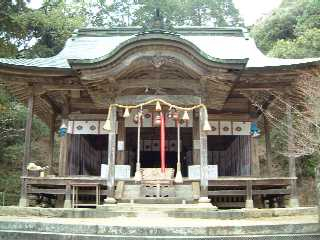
pixel 158 221
pixel 147 227
pixel 156 193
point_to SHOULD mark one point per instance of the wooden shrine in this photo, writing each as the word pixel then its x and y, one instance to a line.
pixel 85 95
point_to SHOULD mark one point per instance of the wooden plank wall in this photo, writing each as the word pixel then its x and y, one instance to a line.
pixel 85 155
pixel 235 159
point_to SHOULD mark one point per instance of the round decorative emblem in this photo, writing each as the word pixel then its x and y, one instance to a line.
pixel 147 115
pixel 213 128
pixel 79 127
pixel 225 129
pixel 92 128
pixel 238 129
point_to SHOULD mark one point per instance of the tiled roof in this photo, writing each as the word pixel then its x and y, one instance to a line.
pixel 215 44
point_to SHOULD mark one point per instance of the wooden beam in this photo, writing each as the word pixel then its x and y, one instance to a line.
pixel 192 84
pixel 53 106
pixel 80 116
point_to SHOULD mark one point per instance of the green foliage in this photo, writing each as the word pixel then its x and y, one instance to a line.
pixel 292 31
pixel 305 45
pixel 308 164
pixel 179 12
pixel 10 32
pixel 51 25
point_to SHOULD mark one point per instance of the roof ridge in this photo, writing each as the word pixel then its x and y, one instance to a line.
pixel 183 30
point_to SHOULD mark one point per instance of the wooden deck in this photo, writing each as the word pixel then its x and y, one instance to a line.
pixel 222 187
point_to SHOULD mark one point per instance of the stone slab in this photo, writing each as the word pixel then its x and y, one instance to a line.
pixel 150 226
pixel 172 210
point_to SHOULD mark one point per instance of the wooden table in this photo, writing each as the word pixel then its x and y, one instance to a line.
pixel 75 194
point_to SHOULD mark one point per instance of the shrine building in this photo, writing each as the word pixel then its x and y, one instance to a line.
pixel 159 115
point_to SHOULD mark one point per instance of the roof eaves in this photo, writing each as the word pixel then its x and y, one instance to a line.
pixel 316 62
pixel 36 68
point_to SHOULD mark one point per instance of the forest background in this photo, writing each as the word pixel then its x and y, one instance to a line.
pixel 290 31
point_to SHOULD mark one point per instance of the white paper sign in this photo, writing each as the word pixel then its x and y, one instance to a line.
pixel 122 172
pixel 120 145
pixel 194 172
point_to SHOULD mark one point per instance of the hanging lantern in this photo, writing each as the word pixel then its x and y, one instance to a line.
pixel 254 130
pixel 158 106
pixel 157 120
pixel 185 116
pixel 206 126
pixel 175 115
pixel 171 111
pixel 126 113
pixel 107 125
pixel 137 115
pixel 63 129
pixel 136 118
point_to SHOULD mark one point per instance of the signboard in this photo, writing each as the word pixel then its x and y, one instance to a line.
pixel 194 172
pixel 122 172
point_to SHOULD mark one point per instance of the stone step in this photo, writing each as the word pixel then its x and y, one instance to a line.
pixel 24 235
pixel 166 200
pixel 148 226
pixel 179 211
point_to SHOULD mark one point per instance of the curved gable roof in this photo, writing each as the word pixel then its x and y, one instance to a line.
pixel 216 44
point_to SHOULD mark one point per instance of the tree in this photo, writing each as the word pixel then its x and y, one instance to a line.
pixel 292 30
pixel 180 12
pixel 51 25
pixel 10 32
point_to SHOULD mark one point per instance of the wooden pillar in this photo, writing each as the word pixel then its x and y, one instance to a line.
pixel 111 158
pixel 51 143
pixel 268 145
pixel 121 142
pixel 293 202
pixel 249 200
pixel 63 156
pixel 255 163
pixel 203 160
pixel 196 139
pixel 27 151
pixel 64 141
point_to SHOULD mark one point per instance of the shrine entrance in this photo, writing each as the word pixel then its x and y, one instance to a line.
pixel 150 148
